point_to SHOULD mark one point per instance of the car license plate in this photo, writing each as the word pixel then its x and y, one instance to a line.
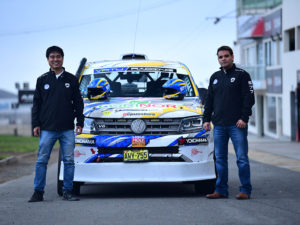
pixel 135 155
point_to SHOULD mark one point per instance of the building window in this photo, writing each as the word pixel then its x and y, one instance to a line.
pixel 298 37
pixel 260 59
pixel 273 52
pixel 252 118
pixel 289 40
pixel 271 112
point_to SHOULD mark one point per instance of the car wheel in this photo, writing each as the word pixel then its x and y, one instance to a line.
pixel 205 186
pixel 60 183
pixel 76 187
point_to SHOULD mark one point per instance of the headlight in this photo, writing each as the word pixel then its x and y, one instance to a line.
pixel 192 124
pixel 93 126
pixel 88 127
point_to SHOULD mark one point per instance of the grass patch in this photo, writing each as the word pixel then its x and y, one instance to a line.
pixel 9 143
pixel 3 156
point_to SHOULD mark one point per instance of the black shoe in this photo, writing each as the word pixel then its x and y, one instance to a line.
pixel 69 196
pixel 37 197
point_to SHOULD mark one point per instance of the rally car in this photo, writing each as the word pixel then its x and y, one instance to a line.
pixel 143 123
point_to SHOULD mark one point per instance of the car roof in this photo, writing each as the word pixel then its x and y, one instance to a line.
pixel 180 67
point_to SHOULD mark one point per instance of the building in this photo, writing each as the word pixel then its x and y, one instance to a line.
pixel 259 43
pixel 268 46
pixel 291 68
pixel 15 118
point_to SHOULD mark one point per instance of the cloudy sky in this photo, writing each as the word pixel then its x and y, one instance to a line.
pixel 178 30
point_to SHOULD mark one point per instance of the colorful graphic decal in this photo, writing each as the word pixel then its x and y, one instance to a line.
pixel 140 108
pixel 137 141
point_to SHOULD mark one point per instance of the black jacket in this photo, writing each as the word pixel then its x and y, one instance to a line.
pixel 57 102
pixel 230 97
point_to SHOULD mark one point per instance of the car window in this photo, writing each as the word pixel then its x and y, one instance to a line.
pixel 136 83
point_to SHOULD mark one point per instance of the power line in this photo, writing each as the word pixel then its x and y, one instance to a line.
pixel 93 21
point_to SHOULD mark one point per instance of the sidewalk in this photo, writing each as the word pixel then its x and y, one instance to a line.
pixel 276 152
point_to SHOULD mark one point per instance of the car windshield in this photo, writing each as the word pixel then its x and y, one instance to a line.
pixel 136 83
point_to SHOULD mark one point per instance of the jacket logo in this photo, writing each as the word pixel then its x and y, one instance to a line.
pixel 232 79
pixel 46 86
pixel 67 85
pixel 215 81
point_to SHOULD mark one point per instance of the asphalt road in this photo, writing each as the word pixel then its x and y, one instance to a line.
pixel 275 200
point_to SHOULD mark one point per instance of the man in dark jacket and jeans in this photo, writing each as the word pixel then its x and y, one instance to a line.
pixel 228 105
pixel 56 103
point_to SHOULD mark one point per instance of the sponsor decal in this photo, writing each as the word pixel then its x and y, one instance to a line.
pixel 138 141
pixel 67 85
pixel 106 113
pixel 85 141
pixel 147 69
pixel 215 81
pixel 46 86
pixel 77 153
pixel 109 70
pixel 232 79
pixel 192 141
pixel 138 114
pixel 195 152
pixel 136 104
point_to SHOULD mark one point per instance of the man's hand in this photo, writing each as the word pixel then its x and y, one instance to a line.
pixel 206 126
pixel 241 124
pixel 37 131
pixel 78 130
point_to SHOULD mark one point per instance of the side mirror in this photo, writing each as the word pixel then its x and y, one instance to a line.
pixel 202 94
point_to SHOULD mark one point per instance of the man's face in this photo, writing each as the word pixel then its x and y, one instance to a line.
pixel 225 59
pixel 55 61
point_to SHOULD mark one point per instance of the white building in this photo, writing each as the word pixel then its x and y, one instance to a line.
pixel 268 41
pixel 291 68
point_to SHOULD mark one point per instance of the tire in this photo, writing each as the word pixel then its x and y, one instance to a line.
pixel 60 183
pixel 76 188
pixel 205 187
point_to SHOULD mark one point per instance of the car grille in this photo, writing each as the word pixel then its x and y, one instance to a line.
pixel 122 126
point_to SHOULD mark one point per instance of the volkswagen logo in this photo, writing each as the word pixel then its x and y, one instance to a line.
pixel 138 126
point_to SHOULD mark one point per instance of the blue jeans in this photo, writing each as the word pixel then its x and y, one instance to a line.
pixel 239 139
pixel 67 144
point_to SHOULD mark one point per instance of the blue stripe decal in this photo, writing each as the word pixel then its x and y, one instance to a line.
pixel 201 133
pixel 174 142
pixel 92 158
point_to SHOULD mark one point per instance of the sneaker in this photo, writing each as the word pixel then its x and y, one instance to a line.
pixel 69 196
pixel 37 197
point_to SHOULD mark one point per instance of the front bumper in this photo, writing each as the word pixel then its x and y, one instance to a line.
pixel 143 172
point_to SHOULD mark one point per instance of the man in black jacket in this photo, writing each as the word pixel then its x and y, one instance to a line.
pixel 228 105
pixel 56 103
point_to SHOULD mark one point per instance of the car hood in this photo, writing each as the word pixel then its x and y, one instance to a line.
pixel 143 108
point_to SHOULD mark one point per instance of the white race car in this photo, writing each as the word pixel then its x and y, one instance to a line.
pixel 140 132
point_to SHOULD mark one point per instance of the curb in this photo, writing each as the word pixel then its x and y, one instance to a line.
pixel 14 159
pixel 8 160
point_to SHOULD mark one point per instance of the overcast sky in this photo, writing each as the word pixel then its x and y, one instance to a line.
pixel 175 30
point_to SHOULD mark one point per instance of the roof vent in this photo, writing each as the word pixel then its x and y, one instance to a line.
pixel 132 56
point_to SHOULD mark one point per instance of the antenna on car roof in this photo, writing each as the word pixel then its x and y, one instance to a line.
pixel 80 68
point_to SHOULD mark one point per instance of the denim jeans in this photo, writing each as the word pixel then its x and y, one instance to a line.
pixel 239 139
pixel 67 143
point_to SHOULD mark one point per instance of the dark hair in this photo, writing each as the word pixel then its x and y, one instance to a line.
pixel 225 48
pixel 54 49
